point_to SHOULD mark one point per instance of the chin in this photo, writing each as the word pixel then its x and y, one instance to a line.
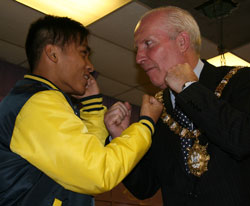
pixel 80 92
pixel 163 86
pixel 158 83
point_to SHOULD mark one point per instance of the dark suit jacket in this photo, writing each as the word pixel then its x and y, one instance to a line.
pixel 225 126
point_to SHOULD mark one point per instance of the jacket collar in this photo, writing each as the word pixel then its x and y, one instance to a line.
pixel 41 79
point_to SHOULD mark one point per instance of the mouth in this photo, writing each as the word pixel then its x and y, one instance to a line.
pixel 86 76
pixel 147 70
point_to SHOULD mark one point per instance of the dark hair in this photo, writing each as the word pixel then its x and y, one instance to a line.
pixel 51 30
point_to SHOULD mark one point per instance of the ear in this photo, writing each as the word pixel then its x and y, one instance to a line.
pixel 183 41
pixel 51 52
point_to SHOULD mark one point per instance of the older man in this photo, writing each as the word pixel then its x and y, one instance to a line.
pixel 200 151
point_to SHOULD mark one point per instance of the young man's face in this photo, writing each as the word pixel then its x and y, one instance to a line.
pixel 75 68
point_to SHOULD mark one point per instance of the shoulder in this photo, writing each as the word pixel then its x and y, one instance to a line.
pixel 218 73
pixel 48 98
pixel 237 81
pixel 223 70
pixel 238 73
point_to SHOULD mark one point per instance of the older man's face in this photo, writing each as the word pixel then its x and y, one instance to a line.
pixel 156 52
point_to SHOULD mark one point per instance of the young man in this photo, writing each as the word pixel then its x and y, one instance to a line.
pixel 50 153
pixel 200 154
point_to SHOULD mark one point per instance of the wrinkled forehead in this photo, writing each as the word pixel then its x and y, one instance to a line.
pixel 146 28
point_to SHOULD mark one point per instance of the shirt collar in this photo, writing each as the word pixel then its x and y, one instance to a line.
pixel 198 68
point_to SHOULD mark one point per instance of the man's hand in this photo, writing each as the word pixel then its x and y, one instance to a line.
pixel 151 107
pixel 178 75
pixel 117 118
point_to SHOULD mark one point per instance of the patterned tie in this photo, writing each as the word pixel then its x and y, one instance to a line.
pixel 184 121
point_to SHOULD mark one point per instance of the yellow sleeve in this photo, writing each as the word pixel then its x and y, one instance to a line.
pixel 50 136
pixel 92 114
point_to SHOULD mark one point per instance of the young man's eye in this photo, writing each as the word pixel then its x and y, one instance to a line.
pixel 85 53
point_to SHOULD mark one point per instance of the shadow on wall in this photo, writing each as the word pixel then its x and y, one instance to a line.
pixel 9 75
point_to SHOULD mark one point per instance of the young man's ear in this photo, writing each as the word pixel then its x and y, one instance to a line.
pixel 51 52
pixel 183 41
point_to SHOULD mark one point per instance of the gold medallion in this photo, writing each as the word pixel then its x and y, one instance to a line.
pixel 198 159
pixel 197 155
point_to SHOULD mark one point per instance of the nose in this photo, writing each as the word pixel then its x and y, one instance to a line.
pixel 89 66
pixel 140 57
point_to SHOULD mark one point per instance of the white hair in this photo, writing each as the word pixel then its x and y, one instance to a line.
pixel 177 20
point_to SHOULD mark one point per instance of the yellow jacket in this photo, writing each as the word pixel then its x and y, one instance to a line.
pixel 71 150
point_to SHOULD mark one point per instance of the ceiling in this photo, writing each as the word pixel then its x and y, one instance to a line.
pixel 111 40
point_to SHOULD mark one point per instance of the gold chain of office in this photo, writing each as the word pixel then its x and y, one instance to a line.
pixel 197 155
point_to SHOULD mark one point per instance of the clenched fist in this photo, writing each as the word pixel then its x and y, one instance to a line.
pixel 178 75
pixel 117 118
pixel 151 107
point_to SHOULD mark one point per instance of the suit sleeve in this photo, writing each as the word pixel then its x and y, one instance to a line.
pixel 142 182
pixel 51 137
pixel 224 121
